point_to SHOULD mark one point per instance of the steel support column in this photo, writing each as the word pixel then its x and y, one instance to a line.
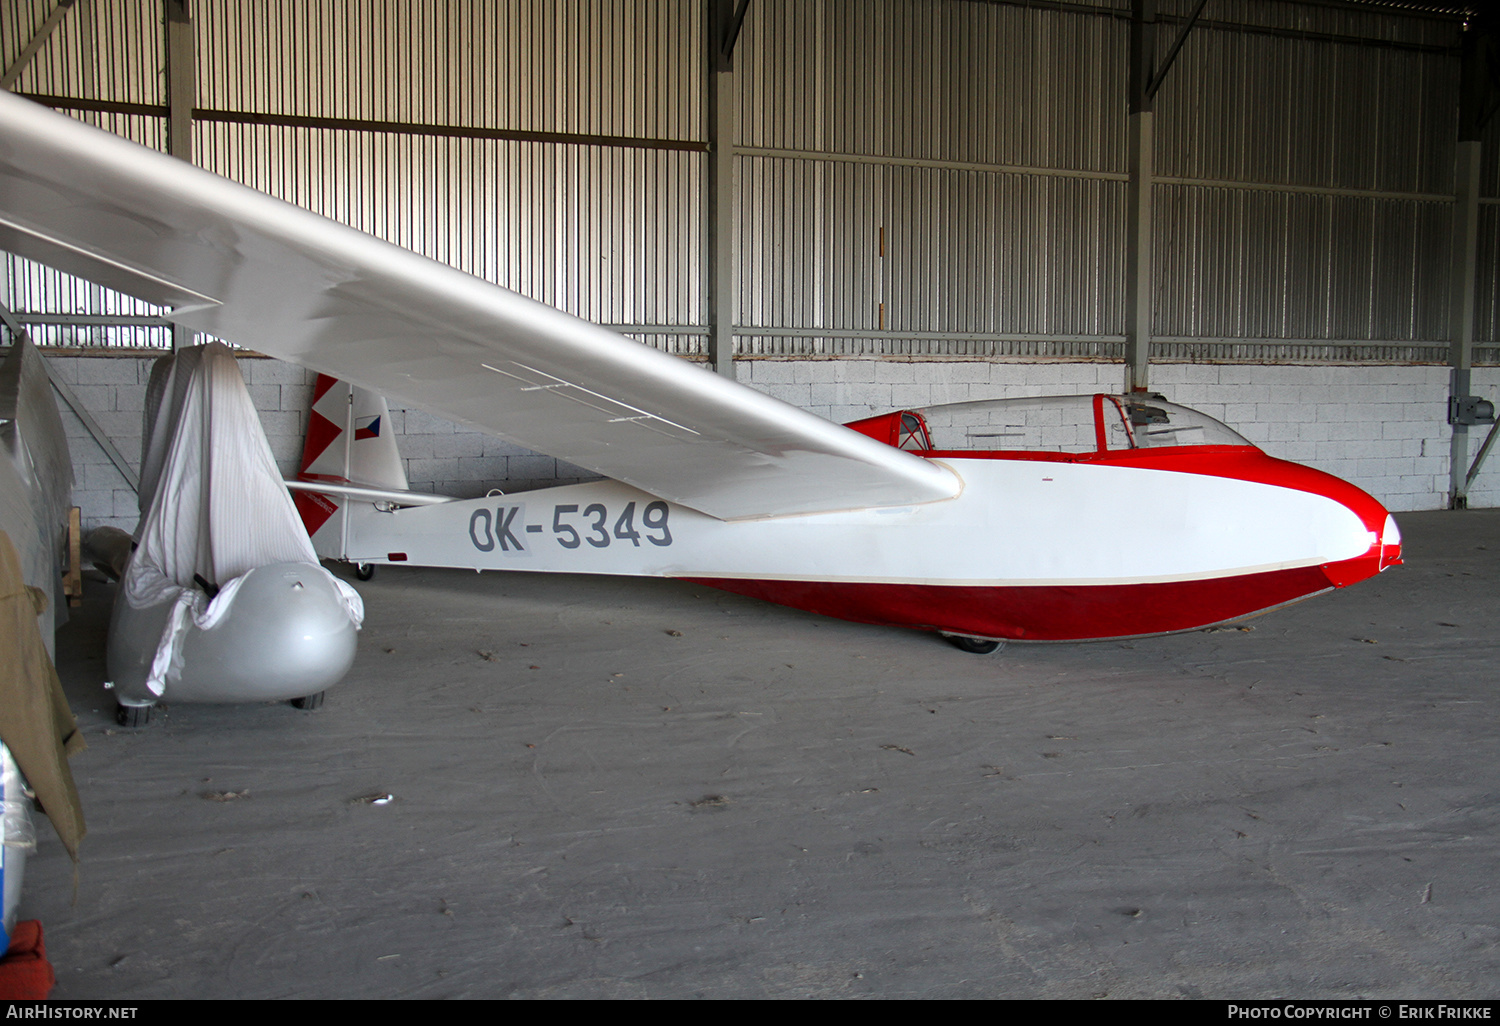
pixel 182 79
pixel 720 225
pixel 722 23
pixel 1474 91
pixel 182 96
pixel 1138 237
pixel 1145 79
pixel 1464 256
pixel 1138 254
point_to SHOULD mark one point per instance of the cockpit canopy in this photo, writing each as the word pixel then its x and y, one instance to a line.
pixel 1080 424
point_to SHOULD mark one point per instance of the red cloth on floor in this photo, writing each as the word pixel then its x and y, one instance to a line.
pixel 25 973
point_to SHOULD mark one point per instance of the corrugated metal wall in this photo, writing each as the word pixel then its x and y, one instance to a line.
pixel 930 178
pixel 103 50
pixel 605 232
pixel 1306 183
pixel 608 227
pixel 917 177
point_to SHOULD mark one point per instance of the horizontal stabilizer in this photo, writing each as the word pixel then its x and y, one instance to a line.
pixel 350 491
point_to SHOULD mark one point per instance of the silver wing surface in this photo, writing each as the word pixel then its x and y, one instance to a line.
pixel 236 263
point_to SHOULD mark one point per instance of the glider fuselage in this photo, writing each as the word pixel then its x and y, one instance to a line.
pixel 1037 547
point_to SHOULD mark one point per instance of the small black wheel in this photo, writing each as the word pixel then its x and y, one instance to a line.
pixel 132 716
pixel 978 646
pixel 364 571
pixel 308 702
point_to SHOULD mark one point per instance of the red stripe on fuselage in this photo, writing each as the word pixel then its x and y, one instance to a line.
pixel 1098 611
pixel 314 509
pixel 1042 612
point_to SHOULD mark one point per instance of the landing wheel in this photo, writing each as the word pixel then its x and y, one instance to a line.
pixel 364 571
pixel 132 716
pixel 978 646
pixel 308 702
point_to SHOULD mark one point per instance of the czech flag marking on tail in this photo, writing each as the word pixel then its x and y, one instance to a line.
pixel 346 444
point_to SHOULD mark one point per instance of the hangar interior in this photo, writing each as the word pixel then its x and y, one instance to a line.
pixel 1286 214
pixel 566 785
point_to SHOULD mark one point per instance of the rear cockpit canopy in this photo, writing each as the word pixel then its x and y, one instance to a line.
pixel 1076 424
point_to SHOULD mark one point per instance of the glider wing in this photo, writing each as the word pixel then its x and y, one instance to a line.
pixel 243 266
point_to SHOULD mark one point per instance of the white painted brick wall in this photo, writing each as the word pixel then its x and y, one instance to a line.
pixel 1382 428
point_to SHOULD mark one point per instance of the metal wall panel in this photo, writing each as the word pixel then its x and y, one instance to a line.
pixel 103 49
pixel 1355 141
pixel 872 247
pixel 1305 152
pixel 928 177
pixel 606 233
pixel 1238 263
pixel 933 79
pixel 1487 299
pixel 1387 22
pixel 1263 109
pixel 607 67
pixel 1293 106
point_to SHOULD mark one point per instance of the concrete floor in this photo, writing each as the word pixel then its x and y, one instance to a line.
pixel 615 788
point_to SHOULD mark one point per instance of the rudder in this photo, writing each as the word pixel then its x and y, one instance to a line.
pixel 349 441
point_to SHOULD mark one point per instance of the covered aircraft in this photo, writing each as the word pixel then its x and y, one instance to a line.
pixel 221 596
pixel 1146 518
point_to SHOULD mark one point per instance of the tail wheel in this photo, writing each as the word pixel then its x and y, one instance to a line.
pixel 978 646
pixel 133 716
pixel 364 571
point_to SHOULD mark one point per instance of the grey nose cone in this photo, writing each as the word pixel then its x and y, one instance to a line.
pixel 287 634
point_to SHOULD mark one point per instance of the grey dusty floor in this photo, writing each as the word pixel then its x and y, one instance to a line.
pixel 614 788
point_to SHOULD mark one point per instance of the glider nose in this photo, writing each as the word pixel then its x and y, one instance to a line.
pixel 1384 544
pixel 288 631
pixel 1390 543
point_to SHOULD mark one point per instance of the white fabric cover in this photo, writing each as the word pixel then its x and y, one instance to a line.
pixel 212 500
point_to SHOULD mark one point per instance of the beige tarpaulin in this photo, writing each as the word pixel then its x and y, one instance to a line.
pixel 36 480
pixel 35 721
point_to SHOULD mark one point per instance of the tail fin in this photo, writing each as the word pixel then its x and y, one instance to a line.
pixel 349 441
pixel 349 438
